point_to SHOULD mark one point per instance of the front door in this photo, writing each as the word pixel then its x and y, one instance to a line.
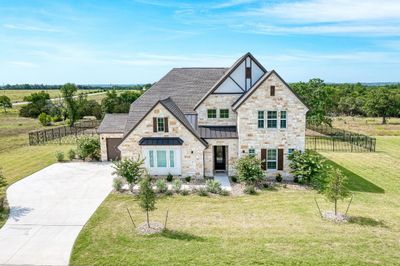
pixel 219 158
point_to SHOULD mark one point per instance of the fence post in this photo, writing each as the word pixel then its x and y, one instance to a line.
pixel 333 144
pixel 315 143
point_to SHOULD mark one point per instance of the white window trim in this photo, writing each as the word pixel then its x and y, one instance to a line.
pixel 155 170
pixel 280 119
pixel 163 119
pixel 261 119
pixel 267 119
pixel 276 160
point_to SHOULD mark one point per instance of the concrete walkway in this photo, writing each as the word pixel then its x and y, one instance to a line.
pixel 48 210
pixel 223 179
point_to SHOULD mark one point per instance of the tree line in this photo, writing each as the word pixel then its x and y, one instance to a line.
pixel 79 87
pixel 328 100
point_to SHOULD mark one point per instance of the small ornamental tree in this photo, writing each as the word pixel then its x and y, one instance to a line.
pixel 131 170
pixel 309 168
pixel 249 169
pixel 5 103
pixel 147 197
pixel 336 187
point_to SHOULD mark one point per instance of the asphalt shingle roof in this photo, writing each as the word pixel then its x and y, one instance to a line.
pixel 113 123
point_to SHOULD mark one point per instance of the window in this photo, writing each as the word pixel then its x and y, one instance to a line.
pixel 248 72
pixel 271 159
pixel 224 113
pixel 212 113
pixel 283 119
pixel 290 151
pixel 272 91
pixel 160 124
pixel 171 159
pixel 252 152
pixel 260 119
pixel 161 159
pixel 272 119
pixel 151 158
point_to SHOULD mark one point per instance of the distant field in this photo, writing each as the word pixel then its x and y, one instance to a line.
pixel 18 95
pixel 371 126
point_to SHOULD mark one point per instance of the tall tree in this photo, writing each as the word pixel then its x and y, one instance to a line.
pixel 147 197
pixel 68 91
pixel 5 103
pixel 336 187
pixel 382 102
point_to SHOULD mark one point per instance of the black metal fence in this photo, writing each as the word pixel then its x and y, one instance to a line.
pixel 334 139
pixel 63 134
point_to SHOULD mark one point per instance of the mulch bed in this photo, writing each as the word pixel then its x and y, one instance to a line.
pixel 155 228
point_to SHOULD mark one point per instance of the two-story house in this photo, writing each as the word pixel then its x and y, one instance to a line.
pixel 199 121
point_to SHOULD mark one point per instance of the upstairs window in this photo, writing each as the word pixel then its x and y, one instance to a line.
pixel 272 119
pixel 160 124
pixel 212 113
pixel 272 91
pixel 224 113
pixel 283 119
pixel 260 119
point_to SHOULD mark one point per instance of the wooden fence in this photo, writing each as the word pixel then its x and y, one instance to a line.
pixel 63 134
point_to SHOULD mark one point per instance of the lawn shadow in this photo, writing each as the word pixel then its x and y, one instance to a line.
pixel 17 212
pixel 366 221
pixel 356 182
pixel 172 234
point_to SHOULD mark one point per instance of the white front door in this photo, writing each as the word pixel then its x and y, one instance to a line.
pixel 162 160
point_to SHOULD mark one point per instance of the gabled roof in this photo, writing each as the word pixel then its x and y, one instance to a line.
pixel 170 105
pixel 113 123
pixel 247 94
pixel 185 86
pixel 228 73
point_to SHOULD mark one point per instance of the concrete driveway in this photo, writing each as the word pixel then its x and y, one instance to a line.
pixel 48 210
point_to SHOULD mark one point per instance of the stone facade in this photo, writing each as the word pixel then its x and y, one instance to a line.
pixel 103 143
pixel 232 155
pixel 192 149
pixel 291 137
pixel 217 101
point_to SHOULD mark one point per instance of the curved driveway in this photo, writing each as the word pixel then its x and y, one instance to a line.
pixel 48 210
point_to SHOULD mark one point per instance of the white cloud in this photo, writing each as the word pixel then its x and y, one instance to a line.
pixel 25 64
pixel 231 3
pixel 30 28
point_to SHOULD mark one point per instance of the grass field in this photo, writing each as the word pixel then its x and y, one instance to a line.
pixel 18 95
pixel 274 227
pixel 371 126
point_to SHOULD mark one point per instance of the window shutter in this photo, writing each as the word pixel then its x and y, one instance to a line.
pixel 280 159
pixel 263 159
pixel 165 124
pixel 154 124
pixel 272 90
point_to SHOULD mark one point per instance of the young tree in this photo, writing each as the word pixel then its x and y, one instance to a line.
pixel 5 103
pixel 131 170
pixel 3 185
pixel 68 91
pixel 249 169
pixel 336 187
pixel 147 197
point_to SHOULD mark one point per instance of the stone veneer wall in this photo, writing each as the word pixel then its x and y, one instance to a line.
pixel 284 100
pixel 103 143
pixel 192 149
pixel 217 101
pixel 232 155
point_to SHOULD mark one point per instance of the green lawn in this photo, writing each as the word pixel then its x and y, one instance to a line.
pixel 274 227
pixel 371 126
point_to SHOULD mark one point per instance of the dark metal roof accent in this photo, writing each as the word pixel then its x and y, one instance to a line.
pixel 247 94
pixel 228 73
pixel 185 86
pixel 113 123
pixel 161 141
pixel 218 132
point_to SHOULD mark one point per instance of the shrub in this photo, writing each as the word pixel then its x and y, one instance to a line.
pixel 202 192
pixel 213 186
pixel 3 185
pixel 224 192
pixel 118 182
pixel 131 170
pixel 161 186
pixel 296 179
pixel 169 193
pixel 88 147
pixel 249 169
pixel 188 178
pixel 45 119
pixel 250 189
pixel 71 154
pixel 170 177
pixel 59 156
pixel 278 177
pixel 309 168
pixel 177 185
pixel 184 192
pixel 234 179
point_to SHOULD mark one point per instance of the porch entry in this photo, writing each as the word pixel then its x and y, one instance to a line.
pixel 220 158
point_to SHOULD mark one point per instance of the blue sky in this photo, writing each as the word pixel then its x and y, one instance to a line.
pixel 136 41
